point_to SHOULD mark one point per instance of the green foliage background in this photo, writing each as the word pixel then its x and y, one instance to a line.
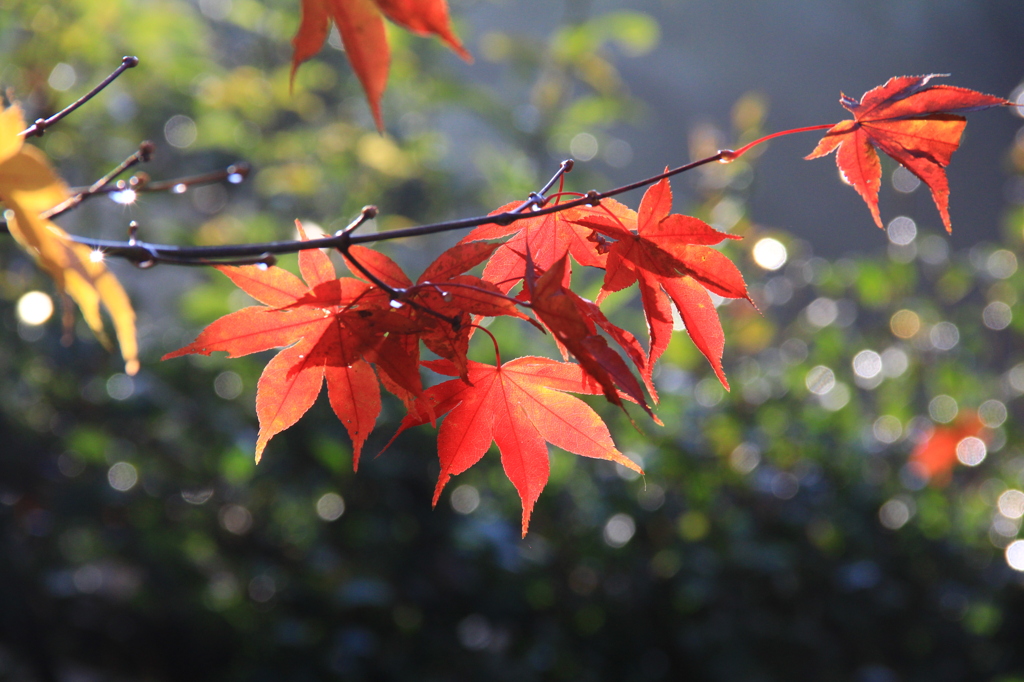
pixel 758 551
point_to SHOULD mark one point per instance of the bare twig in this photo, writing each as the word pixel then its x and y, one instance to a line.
pixel 140 184
pixel 143 153
pixel 368 213
pixel 538 199
pixel 41 124
pixel 234 174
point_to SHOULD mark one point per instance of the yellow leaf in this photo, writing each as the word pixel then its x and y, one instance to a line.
pixel 29 187
pixel 28 176
pixel 11 123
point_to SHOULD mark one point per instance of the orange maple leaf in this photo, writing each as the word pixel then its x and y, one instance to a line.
pixel 361 25
pixel 547 238
pixel 520 405
pixel 329 328
pixel 573 322
pixel 671 258
pixel 911 120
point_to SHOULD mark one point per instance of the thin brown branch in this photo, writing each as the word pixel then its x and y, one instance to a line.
pixel 233 174
pixel 139 252
pixel 140 184
pixel 142 154
pixel 205 255
pixel 41 124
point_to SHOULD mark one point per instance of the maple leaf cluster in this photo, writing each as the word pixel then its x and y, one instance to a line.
pixel 363 332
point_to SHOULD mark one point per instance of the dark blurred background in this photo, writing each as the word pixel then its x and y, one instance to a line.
pixel 824 521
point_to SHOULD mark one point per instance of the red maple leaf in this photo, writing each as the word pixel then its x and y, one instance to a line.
pixel 328 328
pixel 573 322
pixel 520 405
pixel 361 25
pixel 547 238
pixel 671 258
pixel 911 120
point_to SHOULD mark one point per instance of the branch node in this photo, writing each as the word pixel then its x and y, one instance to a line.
pixel 130 62
pixel 146 150
pixel 368 213
pixel 567 165
pixel 133 230
pixel 38 128
pixel 593 197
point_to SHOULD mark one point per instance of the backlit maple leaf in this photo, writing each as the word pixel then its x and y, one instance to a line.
pixel 520 405
pixel 671 258
pixel 361 25
pixel 573 322
pixel 28 187
pixel 547 238
pixel 329 328
pixel 913 121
